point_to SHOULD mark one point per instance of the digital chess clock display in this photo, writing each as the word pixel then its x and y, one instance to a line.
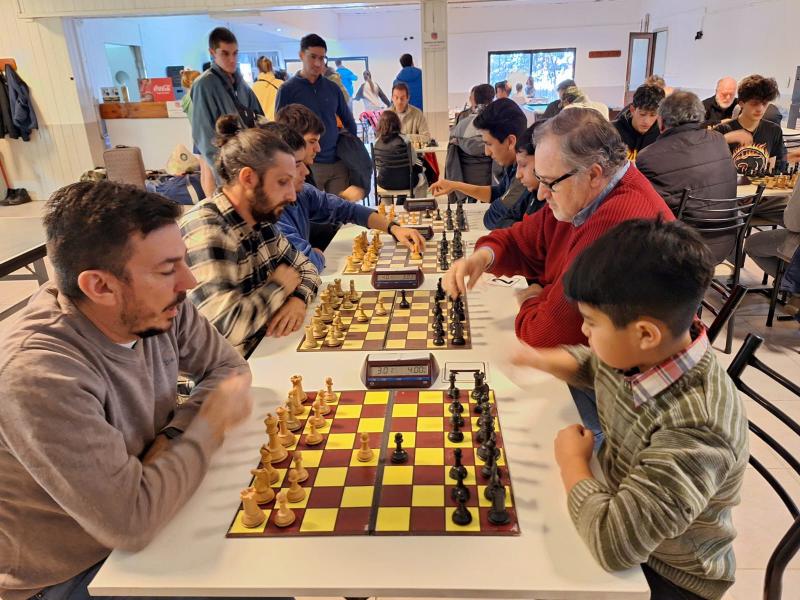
pixel 399 370
pixel 397 279
pixel 393 371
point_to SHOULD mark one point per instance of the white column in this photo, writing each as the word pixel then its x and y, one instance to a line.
pixel 433 14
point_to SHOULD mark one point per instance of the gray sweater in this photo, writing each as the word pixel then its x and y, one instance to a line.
pixel 78 412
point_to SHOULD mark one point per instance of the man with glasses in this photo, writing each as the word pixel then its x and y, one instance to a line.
pixel 589 186
pixel 325 99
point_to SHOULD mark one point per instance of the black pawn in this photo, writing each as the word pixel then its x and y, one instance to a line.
pixel 494 482
pixel 491 463
pixel 498 515
pixel 403 300
pixel 438 214
pixel 399 455
pixel 438 339
pixel 456 435
pixel 427 213
pixel 460 493
pixel 458 334
pixel 458 469
pixel 489 447
pixel 461 515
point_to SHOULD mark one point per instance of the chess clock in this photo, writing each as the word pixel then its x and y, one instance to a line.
pixel 397 279
pixel 418 204
pixel 426 231
pixel 399 370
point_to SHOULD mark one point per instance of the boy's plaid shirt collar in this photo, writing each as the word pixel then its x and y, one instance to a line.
pixel 646 386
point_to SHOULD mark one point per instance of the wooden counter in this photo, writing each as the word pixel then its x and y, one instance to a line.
pixel 133 110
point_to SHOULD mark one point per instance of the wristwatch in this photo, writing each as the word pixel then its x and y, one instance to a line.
pixel 389 230
pixel 170 432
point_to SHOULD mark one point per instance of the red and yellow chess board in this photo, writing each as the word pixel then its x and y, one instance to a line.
pixel 397 256
pixel 400 329
pixel 348 497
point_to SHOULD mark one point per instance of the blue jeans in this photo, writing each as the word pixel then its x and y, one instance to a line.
pixel 586 403
pixel 77 589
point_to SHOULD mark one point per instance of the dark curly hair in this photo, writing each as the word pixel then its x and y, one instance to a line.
pixel 648 97
pixel 757 87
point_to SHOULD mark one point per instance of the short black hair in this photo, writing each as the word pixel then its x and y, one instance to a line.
pixel 206 66
pixel 338 62
pixel 526 143
pixel 756 87
pixel 300 118
pixel 401 85
pixel 312 40
pixel 483 94
pixel 89 225
pixel 406 60
pixel 567 83
pixel 502 118
pixel 501 85
pixel 643 268
pixel 291 137
pixel 220 35
pixel 648 97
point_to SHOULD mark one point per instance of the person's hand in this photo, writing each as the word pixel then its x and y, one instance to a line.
pixel 228 404
pixel 408 236
pixel 319 253
pixel 740 136
pixel 441 187
pixel 524 356
pixel 285 276
pixel 454 281
pixel 573 446
pixel 531 291
pixel 288 318
pixel 159 445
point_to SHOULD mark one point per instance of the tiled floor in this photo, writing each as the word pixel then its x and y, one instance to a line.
pixel 761 519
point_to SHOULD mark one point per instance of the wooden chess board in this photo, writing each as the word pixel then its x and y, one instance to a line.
pixel 348 497
pixel 397 256
pixel 400 329
pixel 438 225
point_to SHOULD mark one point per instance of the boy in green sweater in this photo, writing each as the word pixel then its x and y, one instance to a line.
pixel 675 447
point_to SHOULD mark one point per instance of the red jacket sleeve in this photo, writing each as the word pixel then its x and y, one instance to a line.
pixel 519 249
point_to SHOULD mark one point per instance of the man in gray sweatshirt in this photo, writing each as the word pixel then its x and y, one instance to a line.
pixel 95 451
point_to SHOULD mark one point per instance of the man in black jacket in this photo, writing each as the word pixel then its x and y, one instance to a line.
pixel 687 155
pixel 719 107
pixel 638 128
pixel 555 106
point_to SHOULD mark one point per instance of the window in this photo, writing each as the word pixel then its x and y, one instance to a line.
pixel 546 67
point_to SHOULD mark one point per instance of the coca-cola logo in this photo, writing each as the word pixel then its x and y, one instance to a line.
pixel 163 88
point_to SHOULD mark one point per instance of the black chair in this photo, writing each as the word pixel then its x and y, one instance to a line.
pixel 726 310
pixel 384 160
pixel 722 223
pixel 790 543
pixel 791 140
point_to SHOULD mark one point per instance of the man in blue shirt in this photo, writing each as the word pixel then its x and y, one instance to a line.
pixel 347 76
pixel 501 124
pixel 412 77
pixel 315 206
pixel 324 98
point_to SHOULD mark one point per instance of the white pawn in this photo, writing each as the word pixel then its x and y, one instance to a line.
pixel 284 516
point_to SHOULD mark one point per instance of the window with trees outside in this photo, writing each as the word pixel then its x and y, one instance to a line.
pixel 539 71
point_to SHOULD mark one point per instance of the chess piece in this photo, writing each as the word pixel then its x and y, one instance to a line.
pixel 365 453
pixel 350 266
pixel 403 300
pixel 415 254
pixel 338 327
pixel 285 437
pixel 457 468
pixel 438 339
pixel 292 422
pixel 494 481
pixel 318 419
pixel 347 303
pixel 392 213
pixel 456 435
pixel 380 308
pixel 458 333
pixel 498 515
pixel 332 340
pixel 284 516
pixel 399 455
pixel 326 313
pixel 489 464
pixel 313 437
pixel 460 493
pixel 296 493
pixel 309 343
pixel 297 460
pixel 476 391
pixel 337 284
pixel 318 328
pixel 461 515
pixel 252 516
pixel 324 409
pixel 353 293
pixel 453 392
pixel 366 266
pixel 439 291
pixel 328 396
pixel 361 316
pixel 276 450
pixel 266 464
pixel 261 485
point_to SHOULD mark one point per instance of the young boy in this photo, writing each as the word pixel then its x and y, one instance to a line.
pixel 675 447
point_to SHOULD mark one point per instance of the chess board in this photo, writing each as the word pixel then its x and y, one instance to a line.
pixel 400 329
pixel 397 256
pixel 418 218
pixel 348 497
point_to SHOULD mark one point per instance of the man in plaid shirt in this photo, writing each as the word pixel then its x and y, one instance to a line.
pixel 251 280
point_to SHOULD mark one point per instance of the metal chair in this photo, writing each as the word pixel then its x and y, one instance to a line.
pixel 384 160
pixel 726 310
pixel 790 543
pixel 722 223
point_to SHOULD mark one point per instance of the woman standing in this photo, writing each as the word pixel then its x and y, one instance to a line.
pixel 266 87
pixel 371 94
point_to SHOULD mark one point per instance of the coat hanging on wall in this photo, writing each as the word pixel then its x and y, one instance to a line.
pixel 23 116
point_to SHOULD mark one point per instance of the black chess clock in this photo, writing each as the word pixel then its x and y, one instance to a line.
pixel 419 204
pixel 399 370
pixel 397 279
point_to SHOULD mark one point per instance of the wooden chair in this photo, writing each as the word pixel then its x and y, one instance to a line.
pixel 790 543
pixel 722 223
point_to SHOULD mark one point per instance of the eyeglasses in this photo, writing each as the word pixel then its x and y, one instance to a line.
pixel 551 185
pixel 317 58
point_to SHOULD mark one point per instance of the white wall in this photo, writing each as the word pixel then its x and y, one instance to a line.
pixel 740 37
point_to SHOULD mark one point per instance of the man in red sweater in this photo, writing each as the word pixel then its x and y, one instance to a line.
pixel 590 187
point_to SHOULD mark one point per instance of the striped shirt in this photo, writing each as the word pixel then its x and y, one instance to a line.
pixel 232 262
pixel 674 459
